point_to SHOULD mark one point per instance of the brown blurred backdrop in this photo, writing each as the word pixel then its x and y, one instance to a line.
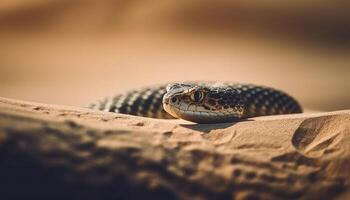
pixel 75 51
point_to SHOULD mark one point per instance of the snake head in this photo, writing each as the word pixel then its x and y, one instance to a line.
pixel 203 103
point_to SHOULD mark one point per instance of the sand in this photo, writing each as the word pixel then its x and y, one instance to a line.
pixel 100 154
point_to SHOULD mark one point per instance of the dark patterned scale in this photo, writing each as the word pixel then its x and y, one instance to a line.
pixel 145 102
pixel 256 100
pixel 260 101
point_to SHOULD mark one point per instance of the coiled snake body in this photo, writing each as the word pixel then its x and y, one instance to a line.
pixel 204 102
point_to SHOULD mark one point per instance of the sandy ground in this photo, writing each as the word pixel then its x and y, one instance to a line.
pixel 102 154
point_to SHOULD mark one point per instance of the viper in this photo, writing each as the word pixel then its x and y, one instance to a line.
pixel 201 102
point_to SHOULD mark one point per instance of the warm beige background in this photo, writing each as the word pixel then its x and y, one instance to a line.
pixel 72 52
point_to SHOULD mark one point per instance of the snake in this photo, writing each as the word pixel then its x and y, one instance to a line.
pixel 201 102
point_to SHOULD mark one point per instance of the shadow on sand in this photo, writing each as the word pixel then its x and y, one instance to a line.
pixel 206 128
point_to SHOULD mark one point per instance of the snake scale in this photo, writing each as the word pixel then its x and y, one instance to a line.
pixel 201 102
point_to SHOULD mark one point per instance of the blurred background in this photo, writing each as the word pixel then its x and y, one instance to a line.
pixel 73 52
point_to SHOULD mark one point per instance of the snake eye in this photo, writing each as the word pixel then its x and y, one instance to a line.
pixel 174 99
pixel 197 96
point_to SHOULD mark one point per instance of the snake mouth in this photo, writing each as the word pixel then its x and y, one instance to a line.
pixel 177 112
pixel 198 117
